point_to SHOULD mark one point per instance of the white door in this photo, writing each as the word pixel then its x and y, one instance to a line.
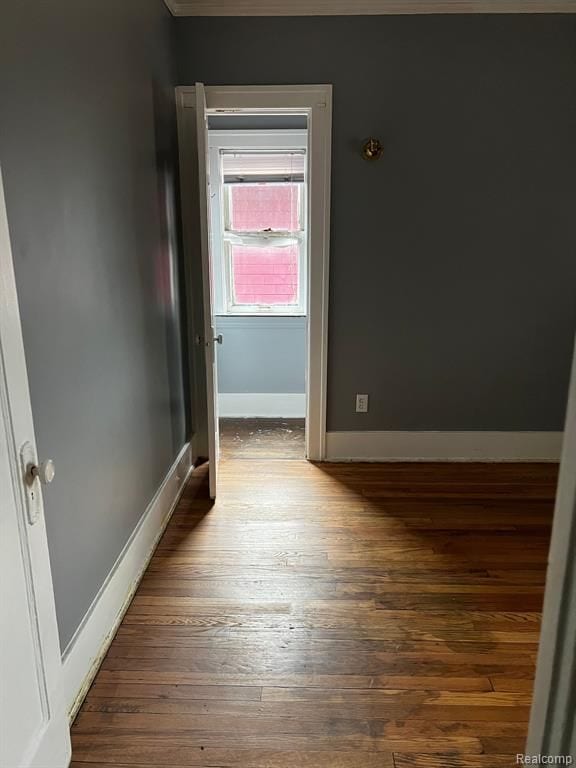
pixel 210 338
pixel 33 723
pixel 552 723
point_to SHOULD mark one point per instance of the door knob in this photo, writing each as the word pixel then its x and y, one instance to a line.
pixel 44 472
pixel 219 339
pixel 32 470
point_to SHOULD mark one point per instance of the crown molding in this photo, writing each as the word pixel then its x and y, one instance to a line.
pixel 362 7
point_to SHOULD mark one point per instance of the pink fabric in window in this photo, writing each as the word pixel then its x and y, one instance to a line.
pixel 255 207
pixel 265 275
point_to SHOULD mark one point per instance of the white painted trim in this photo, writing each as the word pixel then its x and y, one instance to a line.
pixel 552 729
pixel 87 648
pixel 362 7
pixel 316 102
pixel 263 405
pixel 443 446
pixel 190 212
pixel 203 211
pixel 49 743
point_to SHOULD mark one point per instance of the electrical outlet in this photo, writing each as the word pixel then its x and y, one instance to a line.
pixel 361 403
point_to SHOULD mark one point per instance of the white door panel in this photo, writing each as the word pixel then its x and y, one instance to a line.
pixel 33 724
pixel 208 285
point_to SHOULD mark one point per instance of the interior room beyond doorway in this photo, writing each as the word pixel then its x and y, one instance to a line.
pixel 258 217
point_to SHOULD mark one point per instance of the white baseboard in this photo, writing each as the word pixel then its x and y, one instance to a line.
pixel 261 405
pixel 443 446
pixel 87 648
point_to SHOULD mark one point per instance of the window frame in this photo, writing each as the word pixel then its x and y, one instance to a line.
pixel 249 140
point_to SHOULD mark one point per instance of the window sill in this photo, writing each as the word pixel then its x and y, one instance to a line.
pixel 260 314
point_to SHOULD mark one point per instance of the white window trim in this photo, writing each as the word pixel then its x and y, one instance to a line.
pixel 240 140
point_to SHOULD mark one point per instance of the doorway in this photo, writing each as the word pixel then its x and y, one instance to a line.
pixel 258 185
pixel 229 249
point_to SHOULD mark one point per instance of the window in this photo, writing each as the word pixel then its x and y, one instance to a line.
pixel 262 231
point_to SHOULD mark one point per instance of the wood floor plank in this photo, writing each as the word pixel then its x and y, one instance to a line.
pixel 398 682
pixel 453 761
pixel 415 705
pixel 281 665
pixel 330 616
pixel 175 692
pixel 135 742
pixel 280 656
pixel 227 758
pixel 377 696
pixel 261 723
pixel 133 640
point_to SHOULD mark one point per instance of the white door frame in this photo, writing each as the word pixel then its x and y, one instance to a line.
pixel 210 356
pixel 314 101
pixel 23 520
pixel 552 726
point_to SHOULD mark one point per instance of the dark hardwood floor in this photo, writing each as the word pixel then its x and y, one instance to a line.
pixel 333 616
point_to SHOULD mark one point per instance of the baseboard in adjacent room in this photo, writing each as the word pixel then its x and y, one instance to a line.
pixel 87 648
pixel 443 446
pixel 262 405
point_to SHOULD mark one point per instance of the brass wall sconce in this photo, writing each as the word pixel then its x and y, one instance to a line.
pixel 372 149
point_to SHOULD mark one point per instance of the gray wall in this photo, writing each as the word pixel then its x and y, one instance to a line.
pixel 453 259
pixel 87 152
pixel 262 354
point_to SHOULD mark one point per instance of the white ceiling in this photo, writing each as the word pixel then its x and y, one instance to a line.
pixel 362 7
